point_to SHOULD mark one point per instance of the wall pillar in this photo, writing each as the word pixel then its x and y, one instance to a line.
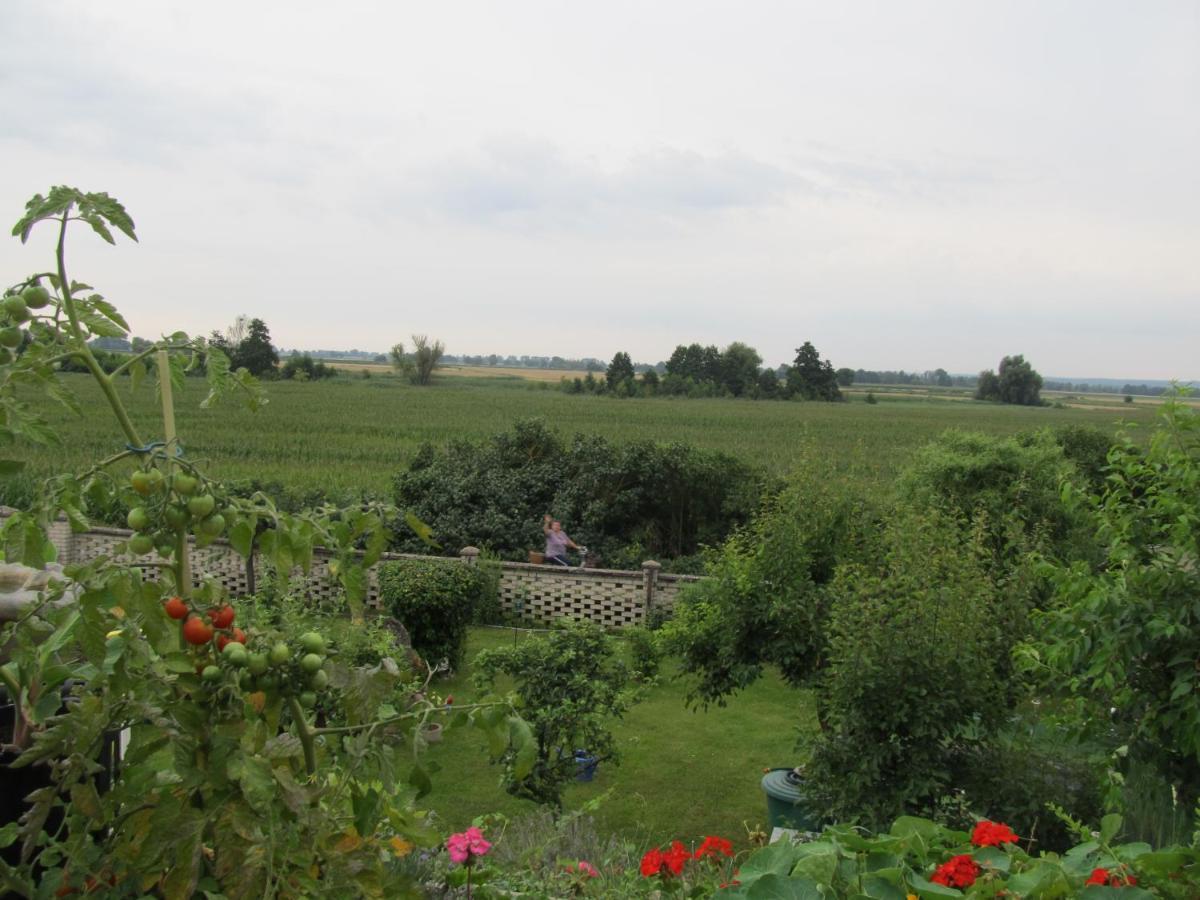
pixel 650 571
pixel 469 555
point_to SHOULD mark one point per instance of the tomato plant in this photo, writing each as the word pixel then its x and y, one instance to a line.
pixel 229 783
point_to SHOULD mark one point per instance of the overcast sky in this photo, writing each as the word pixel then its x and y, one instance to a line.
pixel 906 185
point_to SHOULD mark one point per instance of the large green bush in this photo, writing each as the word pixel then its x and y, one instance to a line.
pixel 666 501
pixel 918 647
pixel 1122 640
pixel 767 599
pixel 1014 479
pixel 436 600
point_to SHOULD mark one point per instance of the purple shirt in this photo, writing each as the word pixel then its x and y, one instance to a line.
pixel 556 543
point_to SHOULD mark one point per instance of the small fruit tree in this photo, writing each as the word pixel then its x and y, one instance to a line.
pixel 229 783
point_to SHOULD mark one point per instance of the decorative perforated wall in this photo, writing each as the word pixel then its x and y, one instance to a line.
pixel 608 597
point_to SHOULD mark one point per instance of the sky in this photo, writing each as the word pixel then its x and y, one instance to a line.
pixel 906 185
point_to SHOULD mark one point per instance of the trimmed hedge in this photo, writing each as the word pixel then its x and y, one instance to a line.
pixel 436 600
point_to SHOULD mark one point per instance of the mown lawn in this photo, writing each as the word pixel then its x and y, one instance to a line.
pixel 683 773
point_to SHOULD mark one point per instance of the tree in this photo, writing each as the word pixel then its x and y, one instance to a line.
pixel 620 370
pixel 1018 383
pixel 572 686
pixel 247 343
pixel 739 368
pixel 1121 637
pixel 810 378
pixel 845 377
pixel 419 365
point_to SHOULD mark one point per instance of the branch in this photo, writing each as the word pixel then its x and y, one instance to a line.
pixel 145 353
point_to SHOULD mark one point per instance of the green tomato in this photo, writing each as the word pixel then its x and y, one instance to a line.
pixel 10 336
pixel 35 296
pixel 141 544
pixel 176 516
pixel 311 663
pixel 311 642
pixel 280 654
pixel 268 682
pixel 185 485
pixel 211 674
pixel 138 518
pixel 213 525
pixel 16 309
pixel 308 699
pixel 258 663
pixel 6 356
pixel 319 680
pixel 236 654
pixel 201 505
pixel 146 482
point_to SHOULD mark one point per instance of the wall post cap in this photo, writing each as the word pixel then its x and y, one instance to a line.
pixel 651 564
pixel 469 551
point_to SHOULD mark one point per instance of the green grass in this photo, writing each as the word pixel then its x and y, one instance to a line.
pixel 683 773
pixel 351 435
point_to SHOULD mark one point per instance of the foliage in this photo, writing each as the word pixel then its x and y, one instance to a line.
pixel 1124 634
pixel 1016 383
pixel 918 646
pixel 669 500
pixel 620 371
pixel 570 686
pixel 644 651
pixel 767 598
pixel 248 346
pixel 229 785
pixel 811 378
pixel 1004 480
pixel 302 368
pixel 418 367
pixel 435 600
pixel 917 857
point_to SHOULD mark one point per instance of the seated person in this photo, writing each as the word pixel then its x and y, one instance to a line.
pixel 557 542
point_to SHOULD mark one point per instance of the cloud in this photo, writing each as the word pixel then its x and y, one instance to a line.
pixel 534 182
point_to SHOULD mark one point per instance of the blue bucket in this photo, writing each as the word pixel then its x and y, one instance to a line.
pixel 586 765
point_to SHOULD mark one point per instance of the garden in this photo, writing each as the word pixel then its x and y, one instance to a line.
pixel 984 679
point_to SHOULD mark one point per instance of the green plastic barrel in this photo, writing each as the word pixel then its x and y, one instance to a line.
pixel 787 801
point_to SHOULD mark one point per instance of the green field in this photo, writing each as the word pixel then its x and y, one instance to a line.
pixel 350 435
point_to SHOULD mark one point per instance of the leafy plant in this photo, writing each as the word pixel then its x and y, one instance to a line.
pixel 668 499
pixel 436 600
pixel 569 685
pixel 229 784
pixel 1122 639
pixel 917 671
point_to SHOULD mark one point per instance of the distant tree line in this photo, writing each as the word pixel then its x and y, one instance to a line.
pixel 586 364
pixel 697 371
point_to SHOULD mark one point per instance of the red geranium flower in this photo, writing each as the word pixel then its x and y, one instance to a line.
pixel 1112 879
pixel 960 872
pixel 714 847
pixel 992 834
pixel 652 862
pixel 676 857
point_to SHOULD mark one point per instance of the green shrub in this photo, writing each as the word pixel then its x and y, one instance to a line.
pixel 644 652
pixel 967 473
pixel 1121 641
pixel 767 599
pixel 666 500
pixel 436 601
pixel 918 643
pixel 571 686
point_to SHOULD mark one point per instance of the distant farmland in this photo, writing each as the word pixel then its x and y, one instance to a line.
pixel 349 435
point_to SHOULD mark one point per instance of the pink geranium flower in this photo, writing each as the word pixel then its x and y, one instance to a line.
pixel 466 845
